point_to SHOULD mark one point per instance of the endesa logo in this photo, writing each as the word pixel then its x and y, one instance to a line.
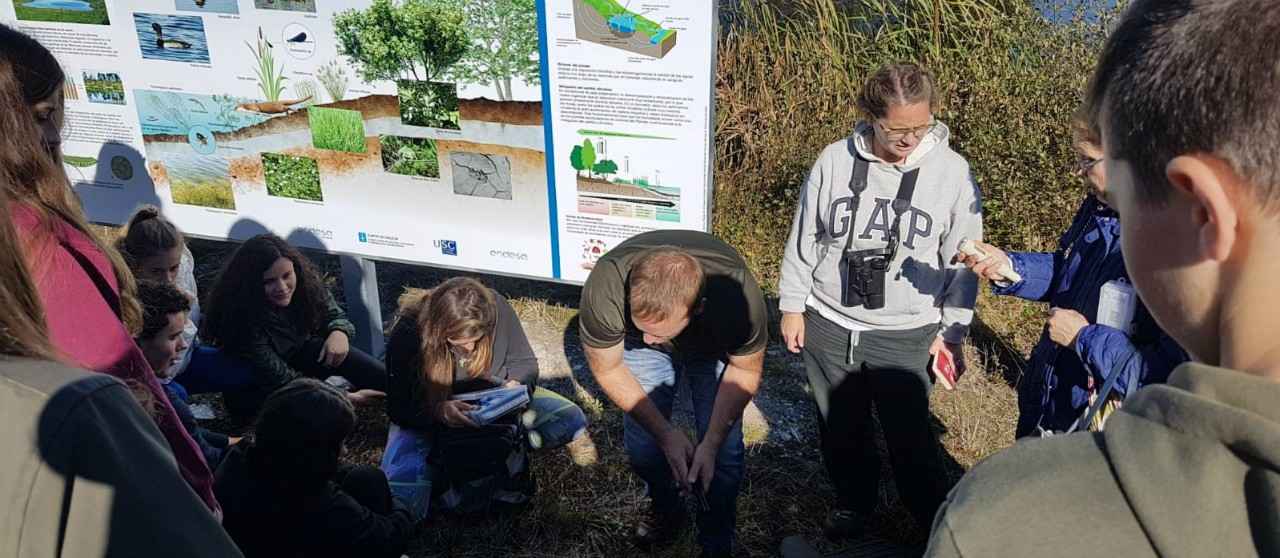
pixel 447 247
pixel 509 255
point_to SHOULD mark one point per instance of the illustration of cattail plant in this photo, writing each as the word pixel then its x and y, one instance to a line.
pixel 334 79
pixel 270 81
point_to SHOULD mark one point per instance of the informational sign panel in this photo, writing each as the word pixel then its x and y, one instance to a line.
pixel 519 137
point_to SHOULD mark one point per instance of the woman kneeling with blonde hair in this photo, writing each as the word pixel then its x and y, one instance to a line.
pixel 458 338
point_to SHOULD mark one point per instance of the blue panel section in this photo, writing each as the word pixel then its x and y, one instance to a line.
pixel 550 143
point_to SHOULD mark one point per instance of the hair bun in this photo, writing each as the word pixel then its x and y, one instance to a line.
pixel 144 213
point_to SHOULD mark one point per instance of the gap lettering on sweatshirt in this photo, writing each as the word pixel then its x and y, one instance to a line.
pixel 919 222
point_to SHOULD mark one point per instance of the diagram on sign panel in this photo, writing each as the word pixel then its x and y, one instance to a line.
pixel 304 135
pixel 615 177
pixel 612 24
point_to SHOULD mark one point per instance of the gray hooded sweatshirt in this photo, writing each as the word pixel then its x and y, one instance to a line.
pixel 1188 469
pixel 922 286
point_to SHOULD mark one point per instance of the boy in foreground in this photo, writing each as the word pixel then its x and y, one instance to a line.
pixel 1187 93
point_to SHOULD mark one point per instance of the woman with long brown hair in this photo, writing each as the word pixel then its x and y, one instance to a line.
pixel 84 286
pixel 270 308
pixel 457 338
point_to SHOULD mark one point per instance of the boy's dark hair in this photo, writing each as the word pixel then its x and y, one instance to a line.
pixel 299 433
pixel 1193 76
pixel 159 301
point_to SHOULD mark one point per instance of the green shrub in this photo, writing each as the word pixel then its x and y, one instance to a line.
pixel 428 104
pixel 410 156
pixel 790 70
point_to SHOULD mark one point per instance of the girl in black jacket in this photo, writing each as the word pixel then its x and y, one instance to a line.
pixel 284 494
pixel 270 308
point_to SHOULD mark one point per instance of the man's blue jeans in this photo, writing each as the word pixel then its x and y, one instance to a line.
pixel 659 372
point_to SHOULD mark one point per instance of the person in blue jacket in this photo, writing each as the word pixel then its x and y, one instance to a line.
pixel 1089 335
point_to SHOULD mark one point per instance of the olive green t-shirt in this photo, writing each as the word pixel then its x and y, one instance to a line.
pixel 733 320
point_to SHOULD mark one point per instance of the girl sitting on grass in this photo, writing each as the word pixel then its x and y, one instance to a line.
pixel 462 337
pixel 156 250
pixel 270 308
pixel 162 340
pixel 286 494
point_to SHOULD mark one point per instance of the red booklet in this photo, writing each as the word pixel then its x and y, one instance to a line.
pixel 944 369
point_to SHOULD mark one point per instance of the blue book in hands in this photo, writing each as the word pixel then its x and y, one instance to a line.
pixel 493 403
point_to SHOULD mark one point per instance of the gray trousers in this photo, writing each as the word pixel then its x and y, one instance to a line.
pixel 888 368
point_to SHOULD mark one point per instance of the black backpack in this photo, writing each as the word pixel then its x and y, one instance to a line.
pixel 482 469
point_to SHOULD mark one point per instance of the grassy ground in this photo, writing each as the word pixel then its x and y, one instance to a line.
pixel 96 16
pixel 589 511
pixel 337 129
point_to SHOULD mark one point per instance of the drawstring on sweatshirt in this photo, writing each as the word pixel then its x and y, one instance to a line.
pixel 853 343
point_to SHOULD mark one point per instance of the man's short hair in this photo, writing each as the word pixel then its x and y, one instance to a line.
pixel 1193 76
pixel 664 282
pixel 159 300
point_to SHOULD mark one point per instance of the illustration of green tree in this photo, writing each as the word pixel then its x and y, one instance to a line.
pixel 504 44
pixel 413 39
pixel 605 168
pixel 588 156
pixel 575 159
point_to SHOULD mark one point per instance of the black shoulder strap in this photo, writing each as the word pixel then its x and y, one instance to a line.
pixel 857 185
pixel 906 190
pixel 109 294
pixel 901 203
pixel 858 180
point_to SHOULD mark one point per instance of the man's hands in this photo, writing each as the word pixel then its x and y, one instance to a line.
pixel 679 452
pixel 1065 326
pixel 703 468
pixel 335 349
pixel 793 331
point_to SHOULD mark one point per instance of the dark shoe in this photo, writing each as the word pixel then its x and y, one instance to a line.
pixel 844 524
pixel 657 528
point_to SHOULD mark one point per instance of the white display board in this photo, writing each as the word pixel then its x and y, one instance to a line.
pixel 521 137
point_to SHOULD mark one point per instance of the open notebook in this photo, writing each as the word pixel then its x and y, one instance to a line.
pixel 493 403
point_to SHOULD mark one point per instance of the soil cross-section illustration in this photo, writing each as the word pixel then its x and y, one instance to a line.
pixel 608 23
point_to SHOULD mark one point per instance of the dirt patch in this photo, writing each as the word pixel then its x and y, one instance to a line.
pixel 610 189
pixel 372 106
pixel 248 169
pixel 520 113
